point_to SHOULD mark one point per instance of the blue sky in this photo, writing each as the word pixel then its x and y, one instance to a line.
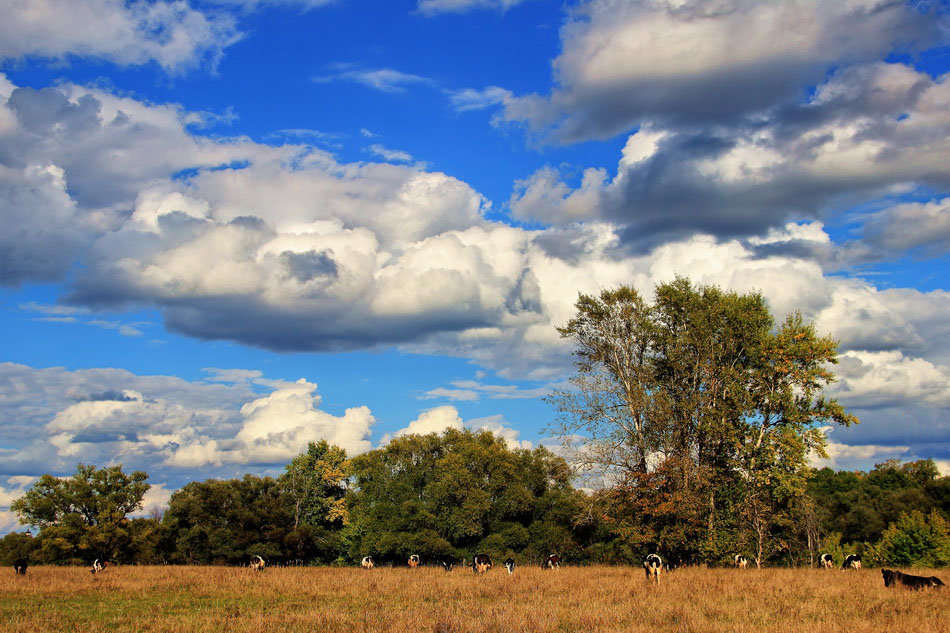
pixel 235 226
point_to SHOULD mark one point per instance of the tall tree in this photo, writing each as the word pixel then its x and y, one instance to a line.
pixel 697 398
pixel 314 482
pixel 84 516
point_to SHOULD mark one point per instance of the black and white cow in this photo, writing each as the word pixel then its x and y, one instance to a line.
pixel 553 561
pixel 653 564
pixel 367 562
pixel 19 567
pixel 98 566
pixel 852 562
pixel 413 561
pixel 481 563
pixel 257 563
pixel 510 565
pixel 448 564
pixel 826 561
pixel 892 578
pixel 741 561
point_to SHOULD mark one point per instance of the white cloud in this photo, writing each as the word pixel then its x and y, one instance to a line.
pixel 382 79
pixel 171 34
pixel 869 132
pixel 390 155
pixel 468 99
pixel 439 419
pixel 432 7
pixel 705 61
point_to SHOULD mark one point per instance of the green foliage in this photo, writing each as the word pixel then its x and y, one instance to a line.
pixel 17 546
pixel 313 484
pixel 914 540
pixel 455 493
pixel 84 516
pixel 228 521
pixel 703 382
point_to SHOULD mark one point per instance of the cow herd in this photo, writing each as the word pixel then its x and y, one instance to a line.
pixel 652 565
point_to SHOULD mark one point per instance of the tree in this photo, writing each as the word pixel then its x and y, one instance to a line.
pixel 84 516
pixel 314 482
pixel 914 539
pixel 228 521
pixel 701 383
pixel 458 493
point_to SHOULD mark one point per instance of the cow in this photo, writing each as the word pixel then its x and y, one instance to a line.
pixel 257 563
pixel 510 565
pixel 826 561
pixel 551 562
pixel 19 567
pixel 481 563
pixel 98 566
pixel 448 564
pixel 853 561
pixel 892 578
pixel 653 564
pixel 413 561
pixel 367 562
pixel 740 561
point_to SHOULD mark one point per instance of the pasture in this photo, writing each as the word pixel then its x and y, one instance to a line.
pixel 221 599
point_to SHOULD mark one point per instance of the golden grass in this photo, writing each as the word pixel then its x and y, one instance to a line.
pixel 602 599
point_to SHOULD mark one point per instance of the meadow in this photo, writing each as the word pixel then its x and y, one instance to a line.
pixel 218 599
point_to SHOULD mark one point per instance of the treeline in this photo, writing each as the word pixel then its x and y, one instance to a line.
pixel 698 410
pixel 449 495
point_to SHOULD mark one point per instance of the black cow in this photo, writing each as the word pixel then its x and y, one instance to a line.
pixel 826 561
pixel 892 578
pixel 852 562
pixel 551 562
pixel 510 565
pixel 19 567
pixel 481 563
pixel 653 564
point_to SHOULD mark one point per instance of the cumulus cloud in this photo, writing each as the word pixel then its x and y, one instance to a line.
pixel 439 419
pixel 172 34
pixel 706 61
pixel 867 132
pixel 287 248
pixel 162 424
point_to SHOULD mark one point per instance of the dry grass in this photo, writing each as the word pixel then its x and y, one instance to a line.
pixel 212 599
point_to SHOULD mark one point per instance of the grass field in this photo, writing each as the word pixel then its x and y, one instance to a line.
pixel 221 599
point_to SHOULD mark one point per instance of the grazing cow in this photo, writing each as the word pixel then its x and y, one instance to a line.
pixel 653 564
pixel 852 562
pixel 413 561
pixel 741 561
pixel 448 564
pixel 892 578
pixel 481 563
pixel 98 566
pixel 551 562
pixel 19 567
pixel 668 567
pixel 257 563
pixel 367 562
pixel 510 565
pixel 826 561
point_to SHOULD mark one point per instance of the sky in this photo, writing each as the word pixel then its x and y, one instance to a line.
pixel 232 227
